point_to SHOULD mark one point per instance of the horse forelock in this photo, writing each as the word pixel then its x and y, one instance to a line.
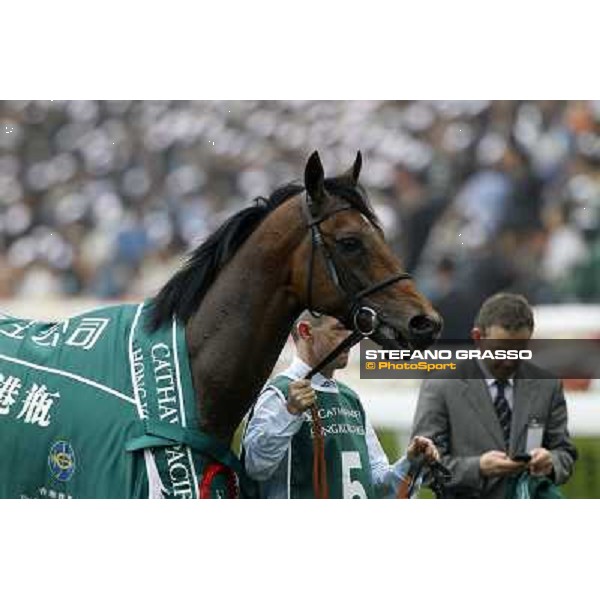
pixel 353 194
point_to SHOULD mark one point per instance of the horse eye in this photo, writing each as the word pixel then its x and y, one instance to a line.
pixel 349 244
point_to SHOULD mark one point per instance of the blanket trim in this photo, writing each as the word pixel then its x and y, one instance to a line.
pixel 68 375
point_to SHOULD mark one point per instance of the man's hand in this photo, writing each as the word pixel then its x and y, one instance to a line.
pixel 497 463
pixel 422 446
pixel 541 462
pixel 300 397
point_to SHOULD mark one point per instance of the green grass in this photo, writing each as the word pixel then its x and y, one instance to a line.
pixel 585 482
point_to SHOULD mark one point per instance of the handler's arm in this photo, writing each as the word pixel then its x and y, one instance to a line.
pixel 386 478
pixel 268 434
pixel 557 439
pixel 431 420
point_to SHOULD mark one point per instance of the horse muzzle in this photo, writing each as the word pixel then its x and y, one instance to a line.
pixel 421 332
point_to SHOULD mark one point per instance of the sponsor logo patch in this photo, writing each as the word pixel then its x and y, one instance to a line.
pixel 61 461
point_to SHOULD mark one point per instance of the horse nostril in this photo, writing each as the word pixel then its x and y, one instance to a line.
pixel 423 326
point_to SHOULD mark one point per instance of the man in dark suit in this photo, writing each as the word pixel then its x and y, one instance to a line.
pixel 496 410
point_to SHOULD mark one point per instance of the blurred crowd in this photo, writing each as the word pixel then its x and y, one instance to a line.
pixel 105 198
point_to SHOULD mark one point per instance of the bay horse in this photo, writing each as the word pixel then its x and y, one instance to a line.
pixel 230 309
pixel 317 246
pixel 241 291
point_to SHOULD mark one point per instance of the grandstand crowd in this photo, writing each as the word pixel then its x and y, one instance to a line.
pixel 103 198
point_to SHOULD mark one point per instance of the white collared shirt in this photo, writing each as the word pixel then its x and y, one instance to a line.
pixel 269 434
pixel 490 382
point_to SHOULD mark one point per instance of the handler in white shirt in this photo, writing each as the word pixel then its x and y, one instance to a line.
pixel 277 447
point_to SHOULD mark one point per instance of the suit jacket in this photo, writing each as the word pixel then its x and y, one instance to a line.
pixel 459 416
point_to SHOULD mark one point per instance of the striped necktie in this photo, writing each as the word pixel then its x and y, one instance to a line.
pixel 503 409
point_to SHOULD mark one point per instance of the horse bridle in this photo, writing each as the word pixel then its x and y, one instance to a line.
pixel 356 312
pixel 356 308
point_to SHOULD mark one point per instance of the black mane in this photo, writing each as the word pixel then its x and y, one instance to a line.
pixel 183 293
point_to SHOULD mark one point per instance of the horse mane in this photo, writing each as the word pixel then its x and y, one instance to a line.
pixel 182 295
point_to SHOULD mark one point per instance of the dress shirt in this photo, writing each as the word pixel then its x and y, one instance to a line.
pixel 490 382
pixel 270 430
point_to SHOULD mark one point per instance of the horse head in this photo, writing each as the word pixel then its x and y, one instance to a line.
pixel 345 268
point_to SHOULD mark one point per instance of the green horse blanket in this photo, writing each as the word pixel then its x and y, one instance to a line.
pixel 96 406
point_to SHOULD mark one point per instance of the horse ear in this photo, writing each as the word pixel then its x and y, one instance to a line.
pixel 314 177
pixel 352 174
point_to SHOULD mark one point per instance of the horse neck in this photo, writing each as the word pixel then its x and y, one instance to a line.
pixel 242 325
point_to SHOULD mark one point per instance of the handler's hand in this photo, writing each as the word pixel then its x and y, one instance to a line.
pixel 541 462
pixel 422 446
pixel 497 463
pixel 300 397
